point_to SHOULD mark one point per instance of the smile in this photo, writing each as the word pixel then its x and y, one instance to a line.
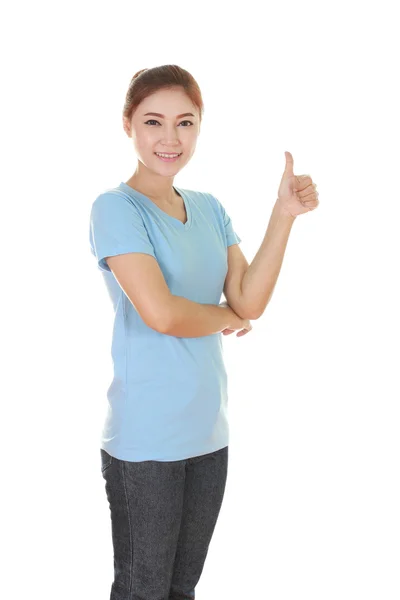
pixel 167 157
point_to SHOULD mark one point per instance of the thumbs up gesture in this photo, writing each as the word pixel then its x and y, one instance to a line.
pixel 297 193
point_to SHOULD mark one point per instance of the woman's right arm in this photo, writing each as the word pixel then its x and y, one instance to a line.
pixel 191 319
pixel 140 277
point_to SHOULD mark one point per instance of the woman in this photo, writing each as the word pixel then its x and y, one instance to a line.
pixel 166 255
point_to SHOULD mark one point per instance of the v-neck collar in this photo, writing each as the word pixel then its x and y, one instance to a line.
pixel 154 206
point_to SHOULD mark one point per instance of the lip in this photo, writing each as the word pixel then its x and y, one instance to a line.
pixel 169 159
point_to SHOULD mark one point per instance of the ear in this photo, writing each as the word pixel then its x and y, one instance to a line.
pixel 126 126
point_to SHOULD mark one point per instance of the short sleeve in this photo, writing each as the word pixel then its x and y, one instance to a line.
pixel 231 236
pixel 116 227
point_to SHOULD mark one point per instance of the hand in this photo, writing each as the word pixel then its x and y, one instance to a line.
pixel 244 328
pixel 297 193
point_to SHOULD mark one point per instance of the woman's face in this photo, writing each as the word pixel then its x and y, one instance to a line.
pixel 167 133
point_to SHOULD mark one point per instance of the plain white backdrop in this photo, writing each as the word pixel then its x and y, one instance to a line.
pixel 311 507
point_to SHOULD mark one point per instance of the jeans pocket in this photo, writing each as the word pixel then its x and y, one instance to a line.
pixel 106 460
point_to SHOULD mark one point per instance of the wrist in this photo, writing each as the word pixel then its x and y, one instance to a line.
pixel 233 319
pixel 283 213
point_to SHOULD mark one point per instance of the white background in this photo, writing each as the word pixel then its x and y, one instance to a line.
pixel 311 508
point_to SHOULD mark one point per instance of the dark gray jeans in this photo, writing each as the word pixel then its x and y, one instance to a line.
pixel 163 516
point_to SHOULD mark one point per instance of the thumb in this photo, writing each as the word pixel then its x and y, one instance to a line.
pixel 289 165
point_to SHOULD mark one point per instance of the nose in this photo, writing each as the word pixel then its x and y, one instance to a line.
pixel 171 141
pixel 171 147
pixel 171 137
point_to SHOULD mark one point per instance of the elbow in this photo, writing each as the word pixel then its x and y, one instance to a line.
pixel 254 313
pixel 164 321
pixel 258 312
pixel 163 325
pixel 253 316
pixel 160 319
pixel 248 312
pixel 245 312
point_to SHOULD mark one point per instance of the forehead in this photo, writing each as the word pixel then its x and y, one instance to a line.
pixel 169 102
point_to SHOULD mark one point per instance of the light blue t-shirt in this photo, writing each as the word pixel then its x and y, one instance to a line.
pixel 168 397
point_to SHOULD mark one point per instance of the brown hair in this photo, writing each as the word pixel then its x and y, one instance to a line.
pixel 148 81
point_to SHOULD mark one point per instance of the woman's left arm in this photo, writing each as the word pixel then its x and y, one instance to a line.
pixel 296 195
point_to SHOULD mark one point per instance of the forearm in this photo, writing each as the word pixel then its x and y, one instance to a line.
pixel 192 319
pixel 260 278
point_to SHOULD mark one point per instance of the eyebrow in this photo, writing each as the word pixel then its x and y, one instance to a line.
pixel 163 116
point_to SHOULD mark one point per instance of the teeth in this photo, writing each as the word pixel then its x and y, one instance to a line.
pixel 167 155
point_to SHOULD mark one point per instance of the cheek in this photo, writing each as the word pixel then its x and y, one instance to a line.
pixel 192 143
pixel 145 142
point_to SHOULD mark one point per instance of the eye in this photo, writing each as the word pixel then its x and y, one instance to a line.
pixel 154 121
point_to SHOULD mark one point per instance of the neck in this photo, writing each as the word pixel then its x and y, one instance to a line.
pixel 159 190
